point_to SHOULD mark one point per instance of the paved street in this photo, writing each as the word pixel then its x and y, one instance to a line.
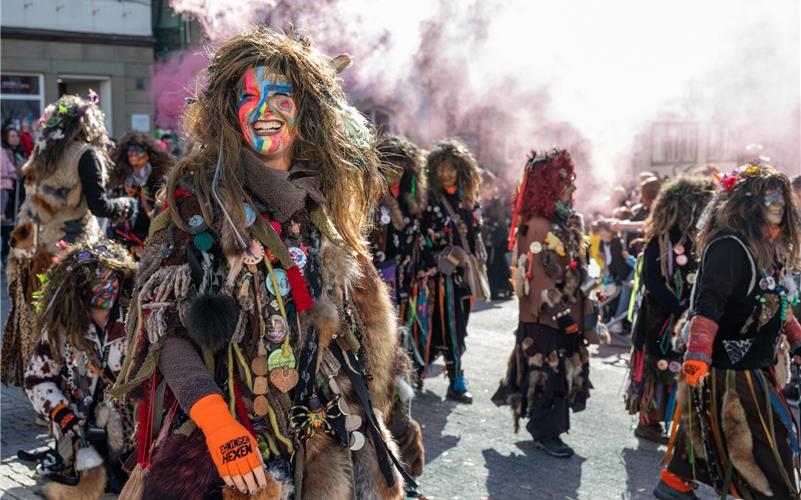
pixel 471 451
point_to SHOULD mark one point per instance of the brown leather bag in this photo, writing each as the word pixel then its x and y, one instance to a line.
pixel 475 267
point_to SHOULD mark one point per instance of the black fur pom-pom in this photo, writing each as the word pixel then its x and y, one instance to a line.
pixel 212 320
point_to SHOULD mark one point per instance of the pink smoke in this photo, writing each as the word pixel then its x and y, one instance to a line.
pixel 174 81
pixel 511 76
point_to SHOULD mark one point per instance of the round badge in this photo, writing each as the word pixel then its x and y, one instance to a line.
pixel 771 283
pixel 276 329
pixel 254 254
pixel 763 283
pixel 195 221
pixel 691 278
pixel 385 219
pixel 203 241
pixel 662 364
pixel 681 260
pixel 283 282
pixel 356 441
pixel 678 249
pixel 675 367
pixel 298 257
pixel 250 214
pixel 535 247
pixel 278 360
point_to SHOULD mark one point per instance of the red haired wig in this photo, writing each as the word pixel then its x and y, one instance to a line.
pixel 544 183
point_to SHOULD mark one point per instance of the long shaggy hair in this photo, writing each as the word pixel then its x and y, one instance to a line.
pixel 741 210
pixel 544 184
pixel 68 289
pixel 82 121
pixel 348 164
pixel 679 205
pixel 466 166
pixel 395 151
pixel 161 160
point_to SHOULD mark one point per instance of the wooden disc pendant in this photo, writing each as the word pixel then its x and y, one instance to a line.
pixel 261 406
pixel 284 379
pixel 259 366
pixel 260 385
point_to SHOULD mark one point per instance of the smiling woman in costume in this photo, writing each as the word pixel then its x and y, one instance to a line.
pixel 263 348
pixel 140 168
pixel 735 429
pixel 548 372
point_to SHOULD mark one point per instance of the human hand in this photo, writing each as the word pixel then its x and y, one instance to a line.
pixel 66 419
pixel 694 370
pixel 233 449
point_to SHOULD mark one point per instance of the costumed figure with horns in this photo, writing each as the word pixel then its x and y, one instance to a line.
pixel 77 359
pixel 263 342
pixel 65 185
pixel 140 167
pixel 395 244
pixel 453 263
pixel 668 273
pixel 732 428
pixel 548 371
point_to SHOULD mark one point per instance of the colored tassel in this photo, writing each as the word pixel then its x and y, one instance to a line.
pixel 300 291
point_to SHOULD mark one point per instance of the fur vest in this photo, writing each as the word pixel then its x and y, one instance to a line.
pixel 350 329
pixel 57 207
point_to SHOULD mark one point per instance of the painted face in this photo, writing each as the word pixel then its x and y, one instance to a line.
pixel 267 111
pixel 774 204
pixel 447 174
pixel 137 157
pixel 105 289
pixel 567 194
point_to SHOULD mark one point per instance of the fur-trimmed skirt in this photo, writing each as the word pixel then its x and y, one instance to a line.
pixel 547 376
pixel 736 433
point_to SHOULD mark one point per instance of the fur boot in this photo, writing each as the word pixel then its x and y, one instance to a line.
pixel 91 486
pixel 740 442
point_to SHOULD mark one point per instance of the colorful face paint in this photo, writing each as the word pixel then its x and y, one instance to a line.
pixel 105 289
pixel 267 111
pixel 137 157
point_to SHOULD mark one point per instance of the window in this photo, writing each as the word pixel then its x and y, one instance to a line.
pixel 720 144
pixel 22 98
pixel 674 142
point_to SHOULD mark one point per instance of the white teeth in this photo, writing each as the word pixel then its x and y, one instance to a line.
pixel 267 126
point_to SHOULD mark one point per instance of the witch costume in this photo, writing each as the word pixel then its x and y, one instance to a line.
pixel 77 359
pixel 263 341
pixel 452 246
pixel 732 428
pixel 140 167
pixel 65 181
pixel 548 370
pixel 668 273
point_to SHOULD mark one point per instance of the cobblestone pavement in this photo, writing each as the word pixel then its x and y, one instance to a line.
pixel 471 451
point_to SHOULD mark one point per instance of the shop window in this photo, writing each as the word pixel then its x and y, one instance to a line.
pixel 21 98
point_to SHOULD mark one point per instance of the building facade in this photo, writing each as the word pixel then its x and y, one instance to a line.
pixel 55 47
